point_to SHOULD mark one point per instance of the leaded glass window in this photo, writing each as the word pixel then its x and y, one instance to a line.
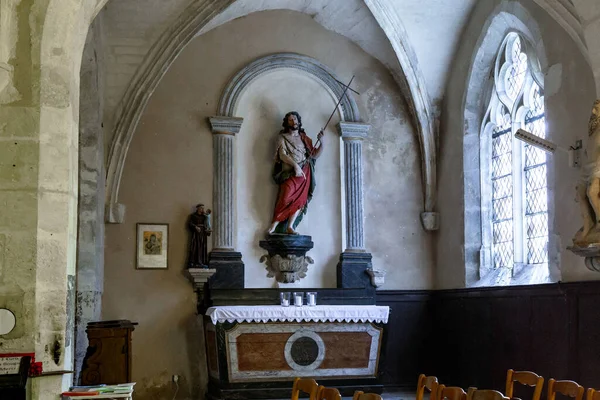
pixel 519 195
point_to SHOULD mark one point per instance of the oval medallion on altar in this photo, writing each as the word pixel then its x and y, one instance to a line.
pixel 304 350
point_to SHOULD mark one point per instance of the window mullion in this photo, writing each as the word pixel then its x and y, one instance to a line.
pixel 518 198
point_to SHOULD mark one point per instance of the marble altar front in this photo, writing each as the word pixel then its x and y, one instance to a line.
pixel 253 344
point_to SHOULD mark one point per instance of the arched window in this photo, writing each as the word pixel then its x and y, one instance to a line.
pixel 518 198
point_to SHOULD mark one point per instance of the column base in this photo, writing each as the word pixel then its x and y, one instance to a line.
pixel 352 270
pixel 230 270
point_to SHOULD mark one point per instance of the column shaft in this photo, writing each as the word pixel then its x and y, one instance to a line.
pixel 223 192
pixel 354 195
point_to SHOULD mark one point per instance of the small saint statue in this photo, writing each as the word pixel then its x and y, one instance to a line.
pixel 294 173
pixel 200 228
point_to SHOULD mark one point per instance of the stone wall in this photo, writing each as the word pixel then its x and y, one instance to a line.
pixel 90 207
pixel 41 46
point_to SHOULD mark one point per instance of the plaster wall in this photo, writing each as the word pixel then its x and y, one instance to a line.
pixel 170 168
pixel 589 14
pixel 569 90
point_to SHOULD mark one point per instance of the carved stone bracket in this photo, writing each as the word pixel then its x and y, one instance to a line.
pixel 377 277
pixel 199 276
pixel 591 254
pixel 287 261
pixel 115 213
pixel 430 221
pixel 288 269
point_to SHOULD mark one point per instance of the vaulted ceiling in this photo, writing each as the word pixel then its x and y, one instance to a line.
pixel 415 39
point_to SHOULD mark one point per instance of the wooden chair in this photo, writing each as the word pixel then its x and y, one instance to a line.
pixel 308 386
pixel 326 393
pixel 593 394
pixel 524 378
pixel 358 395
pixel 450 393
pixel 427 382
pixel 485 394
pixel 567 388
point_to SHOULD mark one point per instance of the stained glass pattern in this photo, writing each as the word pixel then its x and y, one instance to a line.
pixel 502 193
pixel 519 194
pixel 536 193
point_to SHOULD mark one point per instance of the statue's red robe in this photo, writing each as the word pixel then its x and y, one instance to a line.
pixel 294 191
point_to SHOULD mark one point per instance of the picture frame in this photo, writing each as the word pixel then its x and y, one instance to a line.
pixel 152 246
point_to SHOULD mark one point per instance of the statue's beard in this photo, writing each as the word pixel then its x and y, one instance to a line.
pixel 593 124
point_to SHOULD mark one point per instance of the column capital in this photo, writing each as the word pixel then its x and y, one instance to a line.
pixel 221 125
pixel 353 130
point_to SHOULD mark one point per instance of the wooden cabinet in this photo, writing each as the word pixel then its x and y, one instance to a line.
pixel 108 357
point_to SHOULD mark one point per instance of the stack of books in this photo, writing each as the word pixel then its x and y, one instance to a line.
pixel 100 391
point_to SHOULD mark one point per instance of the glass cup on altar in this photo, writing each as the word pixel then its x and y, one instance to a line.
pixel 285 299
pixel 298 297
pixel 311 298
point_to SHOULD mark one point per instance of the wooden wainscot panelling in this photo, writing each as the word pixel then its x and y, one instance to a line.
pixel 550 329
pixel 406 338
pixel 212 353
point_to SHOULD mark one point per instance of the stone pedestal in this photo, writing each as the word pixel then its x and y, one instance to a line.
pixel 287 261
pixel 230 270
pixel 352 270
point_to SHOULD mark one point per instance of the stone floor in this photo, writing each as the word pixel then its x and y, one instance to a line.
pixel 399 396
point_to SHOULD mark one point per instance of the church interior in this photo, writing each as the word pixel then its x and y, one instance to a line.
pixel 244 199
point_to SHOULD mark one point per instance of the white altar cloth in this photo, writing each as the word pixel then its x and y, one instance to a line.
pixel 298 314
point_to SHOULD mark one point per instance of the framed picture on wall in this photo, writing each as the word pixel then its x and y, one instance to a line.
pixel 152 246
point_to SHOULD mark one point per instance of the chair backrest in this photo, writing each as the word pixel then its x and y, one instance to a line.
pixel 593 394
pixel 568 388
pixel 450 393
pixel 358 395
pixel 485 394
pixel 427 382
pixel 308 386
pixel 524 378
pixel 326 393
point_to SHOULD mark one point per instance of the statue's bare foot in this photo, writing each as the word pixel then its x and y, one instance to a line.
pixel 291 231
pixel 272 228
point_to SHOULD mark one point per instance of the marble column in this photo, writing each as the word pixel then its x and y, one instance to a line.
pixel 224 258
pixel 355 261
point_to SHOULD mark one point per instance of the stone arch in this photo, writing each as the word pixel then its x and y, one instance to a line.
pixel 190 22
pixel 241 80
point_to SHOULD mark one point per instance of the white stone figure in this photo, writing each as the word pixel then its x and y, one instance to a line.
pixel 588 189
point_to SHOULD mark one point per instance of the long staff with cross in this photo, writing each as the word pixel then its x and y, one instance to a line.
pixel 336 106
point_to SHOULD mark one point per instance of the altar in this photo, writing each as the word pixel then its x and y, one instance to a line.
pixel 271 345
